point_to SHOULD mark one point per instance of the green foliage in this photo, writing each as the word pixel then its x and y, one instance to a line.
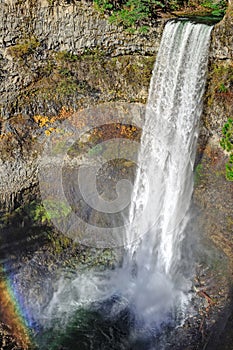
pixel 227 144
pixel 221 84
pixel 227 139
pixel 131 13
pixel 229 168
pixel 103 5
pixel 51 209
pixel 217 8
pixel 222 88
pixel 59 242
pixel 223 73
pixel 39 213
pixel 198 173
pixel 139 13
pixel 68 84
pixel 143 29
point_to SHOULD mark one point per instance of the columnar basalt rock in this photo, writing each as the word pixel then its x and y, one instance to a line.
pixel 213 193
pixel 74 27
pixel 55 54
pixel 32 30
pixel 218 105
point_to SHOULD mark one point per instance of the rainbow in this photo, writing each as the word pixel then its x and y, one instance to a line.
pixel 12 314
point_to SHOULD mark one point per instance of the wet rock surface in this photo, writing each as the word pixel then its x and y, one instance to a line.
pixel 37 268
pixel 213 196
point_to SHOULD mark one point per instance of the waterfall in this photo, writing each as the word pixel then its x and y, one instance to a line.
pixel 164 182
pixel 152 281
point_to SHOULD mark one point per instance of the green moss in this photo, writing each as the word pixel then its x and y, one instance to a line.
pixel 65 79
pixel 229 168
pixel 227 139
pixel 69 57
pixel 221 83
pixel 66 56
pixel 24 48
pixel 198 174
pixel 68 86
pixel 226 143
pixel 59 242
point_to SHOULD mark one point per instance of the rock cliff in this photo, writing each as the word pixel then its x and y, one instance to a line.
pixel 219 94
pixel 213 191
pixel 34 32
pixel 57 58
pixel 60 57
pixel 67 56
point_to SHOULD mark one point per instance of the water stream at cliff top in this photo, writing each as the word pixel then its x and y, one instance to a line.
pixel 126 307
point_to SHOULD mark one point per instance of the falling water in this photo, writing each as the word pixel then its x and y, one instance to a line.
pixel 152 283
pixel 164 181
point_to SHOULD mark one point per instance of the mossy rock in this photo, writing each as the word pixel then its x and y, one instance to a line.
pixel 75 81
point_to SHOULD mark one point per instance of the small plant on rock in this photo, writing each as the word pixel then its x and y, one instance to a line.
pixel 24 48
pixel 226 143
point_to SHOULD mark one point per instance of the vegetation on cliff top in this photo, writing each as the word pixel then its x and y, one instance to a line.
pixel 134 14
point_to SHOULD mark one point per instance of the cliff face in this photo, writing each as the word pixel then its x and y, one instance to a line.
pixel 65 57
pixel 65 26
pixel 213 193
pixel 34 32
pixel 55 59
pixel 219 95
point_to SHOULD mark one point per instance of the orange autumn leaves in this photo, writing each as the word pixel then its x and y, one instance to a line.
pixel 101 133
pixel 116 130
pixel 48 122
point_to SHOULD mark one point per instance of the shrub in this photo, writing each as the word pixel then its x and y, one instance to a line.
pixel 217 8
pixel 130 13
pixel 227 139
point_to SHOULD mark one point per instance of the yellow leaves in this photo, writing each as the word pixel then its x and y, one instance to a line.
pixel 128 131
pixel 41 120
pixel 50 130
pixel 44 121
pixel 47 132
pixel 134 128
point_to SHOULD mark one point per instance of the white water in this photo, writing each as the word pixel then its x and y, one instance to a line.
pixel 152 281
pixel 164 181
